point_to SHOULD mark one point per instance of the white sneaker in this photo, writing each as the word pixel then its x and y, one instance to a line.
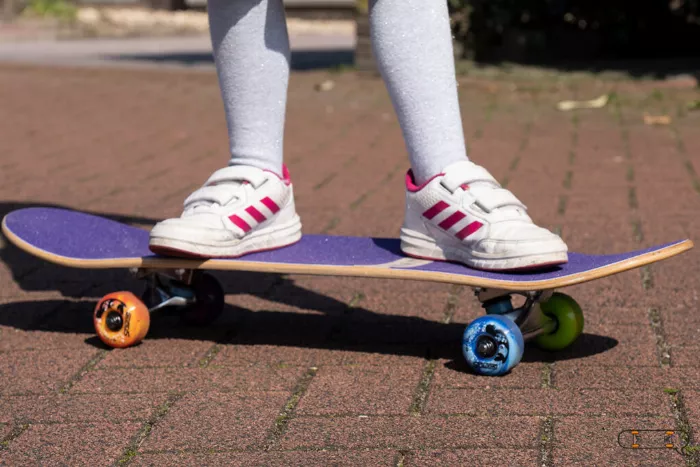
pixel 464 215
pixel 238 210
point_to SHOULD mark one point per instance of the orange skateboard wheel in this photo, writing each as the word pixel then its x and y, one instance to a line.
pixel 121 319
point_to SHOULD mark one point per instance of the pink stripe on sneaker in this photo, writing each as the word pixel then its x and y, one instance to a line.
pixel 452 220
pixel 243 225
pixel 255 214
pixel 269 204
pixel 468 230
pixel 436 209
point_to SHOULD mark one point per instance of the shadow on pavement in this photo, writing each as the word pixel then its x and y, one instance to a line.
pixel 336 326
pixel 300 60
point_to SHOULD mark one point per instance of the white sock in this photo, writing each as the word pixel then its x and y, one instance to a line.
pixel 251 51
pixel 412 44
pixel 413 47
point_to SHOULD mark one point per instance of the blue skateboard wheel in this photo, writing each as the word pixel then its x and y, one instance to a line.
pixel 492 345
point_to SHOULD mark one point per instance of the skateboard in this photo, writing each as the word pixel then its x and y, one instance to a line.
pixel 492 344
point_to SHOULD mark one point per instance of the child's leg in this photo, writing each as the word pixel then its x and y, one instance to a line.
pixel 251 50
pixel 413 45
pixel 249 205
pixel 455 210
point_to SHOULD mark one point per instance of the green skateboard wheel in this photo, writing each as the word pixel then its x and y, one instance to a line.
pixel 568 319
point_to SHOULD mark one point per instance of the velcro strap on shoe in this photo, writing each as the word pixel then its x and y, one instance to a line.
pixel 210 194
pixel 239 174
pixel 475 174
pixel 490 199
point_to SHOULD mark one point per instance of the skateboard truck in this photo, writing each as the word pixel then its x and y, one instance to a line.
pixel 182 275
pixel 198 295
pixel 528 316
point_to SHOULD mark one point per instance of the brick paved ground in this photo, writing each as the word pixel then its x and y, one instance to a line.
pixel 318 371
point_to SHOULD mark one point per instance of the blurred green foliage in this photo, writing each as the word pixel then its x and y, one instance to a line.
pixel 60 9
pixel 556 29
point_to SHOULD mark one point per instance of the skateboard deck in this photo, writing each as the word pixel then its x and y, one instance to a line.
pixel 76 239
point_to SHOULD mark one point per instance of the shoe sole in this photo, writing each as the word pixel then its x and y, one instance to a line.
pixel 420 246
pixel 271 238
